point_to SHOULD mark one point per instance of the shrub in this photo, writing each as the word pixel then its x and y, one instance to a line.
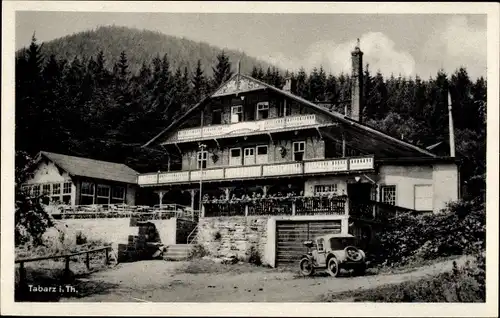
pixel 459 229
pixel 31 220
pixel 217 236
pixel 254 257
pixel 198 251
pixel 464 284
pixel 80 238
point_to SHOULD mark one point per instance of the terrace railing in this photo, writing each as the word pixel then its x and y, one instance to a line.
pixel 298 168
pixel 291 205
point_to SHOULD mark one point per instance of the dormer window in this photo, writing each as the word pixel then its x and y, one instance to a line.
pixel 262 110
pixel 236 114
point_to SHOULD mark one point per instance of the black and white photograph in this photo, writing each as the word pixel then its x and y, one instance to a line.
pixel 205 155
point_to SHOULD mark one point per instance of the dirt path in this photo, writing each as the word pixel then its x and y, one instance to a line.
pixel 157 281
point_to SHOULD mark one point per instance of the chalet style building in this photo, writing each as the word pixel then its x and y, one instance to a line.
pixel 81 181
pixel 250 144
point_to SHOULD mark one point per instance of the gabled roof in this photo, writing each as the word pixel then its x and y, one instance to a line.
pixel 90 168
pixel 332 114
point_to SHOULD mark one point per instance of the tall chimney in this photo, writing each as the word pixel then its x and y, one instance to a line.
pixel 451 131
pixel 356 84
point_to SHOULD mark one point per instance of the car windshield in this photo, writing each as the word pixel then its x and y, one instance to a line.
pixel 339 243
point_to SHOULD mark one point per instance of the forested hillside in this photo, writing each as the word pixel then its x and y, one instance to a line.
pixel 141 45
pixel 98 108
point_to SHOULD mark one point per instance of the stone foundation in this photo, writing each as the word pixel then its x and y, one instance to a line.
pixel 227 236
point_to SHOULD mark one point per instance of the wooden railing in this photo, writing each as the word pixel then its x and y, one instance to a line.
pixel 263 170
pixel 67 257
pixel 277 206
pixel 246 126
pixel 165 211
pixel 373 210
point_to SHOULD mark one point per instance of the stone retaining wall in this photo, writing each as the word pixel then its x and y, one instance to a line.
pixel 227 236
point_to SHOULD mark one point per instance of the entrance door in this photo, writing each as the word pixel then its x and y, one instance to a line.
pixel 359 196
pixel 249 156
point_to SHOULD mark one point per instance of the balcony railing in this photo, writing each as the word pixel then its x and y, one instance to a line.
pixel 246 127
pixel 264 170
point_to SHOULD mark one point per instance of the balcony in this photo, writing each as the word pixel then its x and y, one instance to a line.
pixel 246 127
pixel 309 167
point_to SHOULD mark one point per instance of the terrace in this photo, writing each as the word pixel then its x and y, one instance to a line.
pixel 308 167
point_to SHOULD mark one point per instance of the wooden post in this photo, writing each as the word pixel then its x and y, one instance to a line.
pixel 22 275
pixel 294 208
pixel 87 260
pixel 192 192
pixel 66 269
pixel 226 190
pixel 343 145
pixel 202 211
pixel 246 209
pixel 107 256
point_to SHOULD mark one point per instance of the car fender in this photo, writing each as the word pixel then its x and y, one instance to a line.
pixel 339 255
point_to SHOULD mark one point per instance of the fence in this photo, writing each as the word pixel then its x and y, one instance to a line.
pixel 67 257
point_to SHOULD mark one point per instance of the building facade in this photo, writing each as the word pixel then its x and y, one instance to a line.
pixel 318 168
pixel 75 181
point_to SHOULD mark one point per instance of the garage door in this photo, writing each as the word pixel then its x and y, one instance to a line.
pixel 290 236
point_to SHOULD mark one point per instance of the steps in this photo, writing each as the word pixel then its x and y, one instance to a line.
pixel 177 252
pixel 193 236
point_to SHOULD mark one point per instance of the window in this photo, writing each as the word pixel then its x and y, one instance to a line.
pixel 236 114
pixel 216 117
pixel 249 158
pixel 262 154
pixel 423 197
pixel 284 109
pixel 388 194
pixel 66 187
pixel 235 157
pixel 202 159
pixel 56 189
pixel 262 110
pixel 325 189
pixel 321 244
pixel 103 192
pixel 87 193
pixel 299 150
pixel 36 190
pixel 46 189
pixel 118 195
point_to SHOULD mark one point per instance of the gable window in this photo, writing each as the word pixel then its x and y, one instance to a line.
pixel 87 193
pixel 235 157
pixel 299 149
pixel 202 159
pixel 388 194
pixel 284 109
pixel 262 110
pixel 118 195
pixel 325 189
pixel 236 114
pixel 103 192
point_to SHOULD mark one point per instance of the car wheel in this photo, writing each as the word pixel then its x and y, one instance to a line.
pixel 333 267
pixel 306 267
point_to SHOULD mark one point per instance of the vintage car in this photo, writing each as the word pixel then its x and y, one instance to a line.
pixel 332 253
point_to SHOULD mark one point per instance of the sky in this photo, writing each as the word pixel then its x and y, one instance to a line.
pixel 399 44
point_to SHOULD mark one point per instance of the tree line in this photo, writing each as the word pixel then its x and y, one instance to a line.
pixel 82 107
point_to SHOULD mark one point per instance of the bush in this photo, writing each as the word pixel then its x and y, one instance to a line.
pixel 31 220
pixel 254 257
pixel 465 284
pixel 198 251
pixel 80 238
pixel 459 229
